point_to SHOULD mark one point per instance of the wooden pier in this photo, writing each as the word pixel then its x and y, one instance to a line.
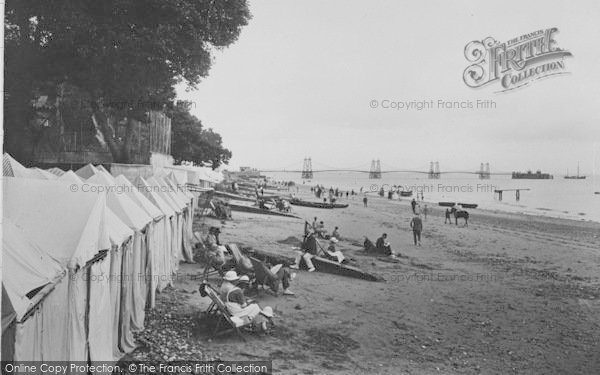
pixel 517 193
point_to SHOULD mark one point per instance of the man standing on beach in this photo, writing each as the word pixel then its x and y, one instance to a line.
pixel 417 226
pixel 413 204
pixel 365 201
pixel 447 219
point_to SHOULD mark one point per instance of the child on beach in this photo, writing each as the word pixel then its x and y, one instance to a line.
pixel 263 322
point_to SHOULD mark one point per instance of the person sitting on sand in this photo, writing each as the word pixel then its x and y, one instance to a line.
pixel 307 251
pixel 333 253
pixel 320 229
pixel 336 233
pixel 263 322
pixel 382 245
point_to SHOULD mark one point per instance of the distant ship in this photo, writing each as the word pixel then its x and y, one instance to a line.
pixel 538 175
pixel 577 177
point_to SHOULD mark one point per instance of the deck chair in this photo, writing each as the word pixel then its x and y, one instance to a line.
pixel 241 261
pixel 234 323
pixel 262 273
pixel 204 207
pixel 207 269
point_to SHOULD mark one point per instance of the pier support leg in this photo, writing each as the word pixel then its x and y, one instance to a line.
pixel 500 196
pixel 518 195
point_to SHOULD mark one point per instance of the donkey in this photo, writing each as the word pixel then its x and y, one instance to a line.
pixel 460 214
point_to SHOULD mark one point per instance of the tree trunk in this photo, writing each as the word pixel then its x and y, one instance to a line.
pixel 101 121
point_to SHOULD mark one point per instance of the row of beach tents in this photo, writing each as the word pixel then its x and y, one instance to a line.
pixel 84 253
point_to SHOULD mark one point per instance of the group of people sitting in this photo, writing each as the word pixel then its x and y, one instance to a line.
pixel 216 254
pixel 318 228
pixel 240 277
pixel 311 246
pixel 382 246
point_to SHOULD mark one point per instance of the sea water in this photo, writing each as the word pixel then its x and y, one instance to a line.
pixel 558 197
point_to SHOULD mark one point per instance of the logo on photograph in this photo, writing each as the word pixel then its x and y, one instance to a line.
pixel 515 63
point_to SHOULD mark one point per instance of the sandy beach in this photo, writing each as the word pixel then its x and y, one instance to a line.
pixel 508 294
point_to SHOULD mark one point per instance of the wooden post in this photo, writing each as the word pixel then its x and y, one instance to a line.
pixel 518 195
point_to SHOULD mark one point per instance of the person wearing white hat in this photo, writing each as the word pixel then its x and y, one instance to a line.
pixel 235 300
pixel 333 252
pixel 228 283
pixel 244 283
pixel 263 323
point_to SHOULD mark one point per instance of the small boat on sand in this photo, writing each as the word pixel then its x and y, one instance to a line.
pixel 340 205
pixel 325 265
pixel 406 193
pixel 468 205
pixel 298 202
pixel 256 210
pixel 239 197
pixel 447 204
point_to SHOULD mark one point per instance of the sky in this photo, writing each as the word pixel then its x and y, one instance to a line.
pixel 303 76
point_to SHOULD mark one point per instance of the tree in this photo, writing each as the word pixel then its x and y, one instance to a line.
pixel 191 142
pixel 126 55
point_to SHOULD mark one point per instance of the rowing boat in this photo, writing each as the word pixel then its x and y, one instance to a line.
pixel 468 205
pixel 340 205
pixel 330 266
pixel 256 210
pixel 297 202
pixel 447 204
pixel 225 194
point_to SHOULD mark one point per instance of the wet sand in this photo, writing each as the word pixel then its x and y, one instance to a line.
pixel 508 294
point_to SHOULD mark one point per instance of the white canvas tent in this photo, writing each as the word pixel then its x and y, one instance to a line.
pixel 13 168
pixel 131 171
pixel 86 171
pixel 135 261
pixel 105 345
pixel 202 176
pixel 178 207
pixel 76 231
pixel 40 173
pixel 159 256
pixel 70 227
pixel 191 200
pixel 154 194
pixel 56 171
pixel 26 268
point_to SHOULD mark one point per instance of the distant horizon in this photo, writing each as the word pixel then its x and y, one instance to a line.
pixel 571 172
pixel 347 81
